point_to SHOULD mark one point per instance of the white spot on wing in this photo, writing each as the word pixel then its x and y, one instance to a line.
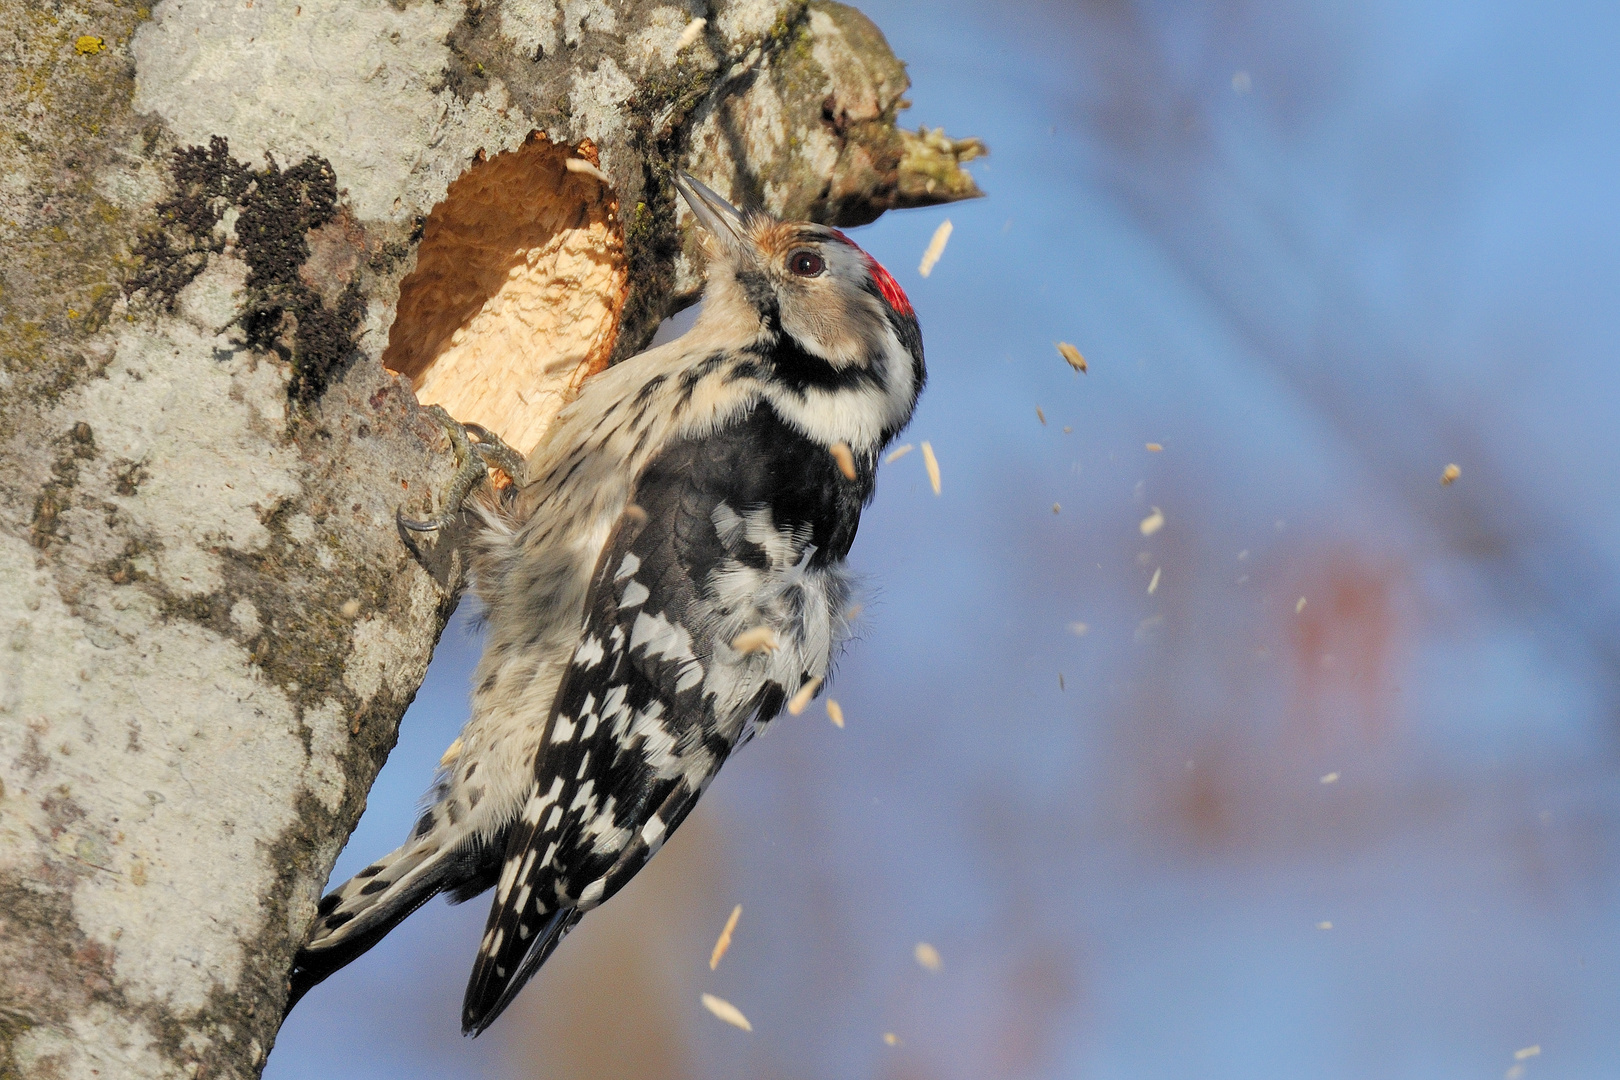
pixel 635 594
pixel 652 833
pixel 589 653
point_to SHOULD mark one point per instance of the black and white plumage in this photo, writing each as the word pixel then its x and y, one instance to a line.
pixel 691 495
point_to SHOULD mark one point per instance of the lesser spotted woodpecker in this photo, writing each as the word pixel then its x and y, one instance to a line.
pixel 670 573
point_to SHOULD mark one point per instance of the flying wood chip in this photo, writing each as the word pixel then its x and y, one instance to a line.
pixel 936 248
pixel 693 31
pixel 726 1011
pixel 723 942
pixel 932 464
pixel 835 713
pixel 1072 355
pixel 756 639
pixel 1153 522
pixel 1449 475
pixel 580 165
pixel 802 698
pixel 1039 415
pixel 897 453
pixel 927 956
pixel 846 459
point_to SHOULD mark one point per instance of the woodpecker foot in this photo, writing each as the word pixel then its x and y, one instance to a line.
pixel 474 459
pixel 497 453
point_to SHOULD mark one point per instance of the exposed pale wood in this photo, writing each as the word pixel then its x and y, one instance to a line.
pixel 516 296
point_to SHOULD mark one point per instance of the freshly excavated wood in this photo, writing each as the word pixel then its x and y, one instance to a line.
pixel 211 215
pixel 520 278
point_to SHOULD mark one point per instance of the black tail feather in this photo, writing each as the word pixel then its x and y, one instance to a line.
pixel 488 995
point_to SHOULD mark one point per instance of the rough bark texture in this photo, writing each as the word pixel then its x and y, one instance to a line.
pixel 210 625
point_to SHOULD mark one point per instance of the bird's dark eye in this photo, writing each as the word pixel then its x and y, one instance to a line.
pixel 806 263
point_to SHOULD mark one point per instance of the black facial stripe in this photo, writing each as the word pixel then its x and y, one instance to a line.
pixel 801 371
pixel 757 287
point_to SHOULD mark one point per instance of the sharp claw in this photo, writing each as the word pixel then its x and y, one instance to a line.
pixel 497 452
pixel 419 526
pixel 471 469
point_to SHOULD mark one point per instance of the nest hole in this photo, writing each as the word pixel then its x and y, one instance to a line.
pixel 519 284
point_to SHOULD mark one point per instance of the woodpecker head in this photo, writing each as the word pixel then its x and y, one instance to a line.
pixel 825 314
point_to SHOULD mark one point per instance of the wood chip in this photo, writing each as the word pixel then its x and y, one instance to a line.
pixel 1449 475
pixel 1324 925
pixel 1061 685
pixel 1527 1052
pixel 726 1011
pixel 1039 415
pixel 1154 447
pixel 1152 523
pixel 1331 778
pixel 802 698
pixel 846 459
pixel 451 752
pixel 350 608
pixel 756 639
pixel 927 956
pixel 693 31
pixel 897 453
pixel 723 942
pixel 835 713
pixel 1057 508
pixel 1079 629
pixel 580 165
pixel 936 248
pixel 931 463
pixel 1153 586
pixel 891 1038
pixel 1072 355
pixel 1299 607
pixel 853 613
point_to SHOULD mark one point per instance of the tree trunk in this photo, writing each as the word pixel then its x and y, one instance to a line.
pixel 242 240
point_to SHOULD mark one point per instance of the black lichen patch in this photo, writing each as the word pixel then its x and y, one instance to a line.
pixel 277 209
pixel 176 249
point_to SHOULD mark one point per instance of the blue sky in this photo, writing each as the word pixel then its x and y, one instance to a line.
pixel 1389 246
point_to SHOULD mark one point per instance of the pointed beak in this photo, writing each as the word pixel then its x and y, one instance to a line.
pixel 719 217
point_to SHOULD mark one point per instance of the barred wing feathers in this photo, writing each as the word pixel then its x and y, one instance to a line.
pixel 745 527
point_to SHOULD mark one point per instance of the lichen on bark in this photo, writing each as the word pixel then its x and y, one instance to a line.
pixel 211 627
